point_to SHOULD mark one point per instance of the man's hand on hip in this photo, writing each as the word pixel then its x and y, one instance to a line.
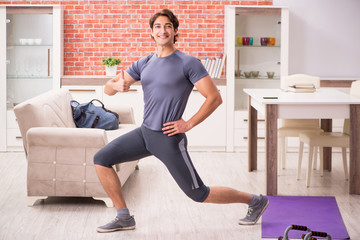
pixel 176 127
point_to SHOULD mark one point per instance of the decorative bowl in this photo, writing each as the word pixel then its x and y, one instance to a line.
pixel 247 74
pixel 255 74
pixel 270 74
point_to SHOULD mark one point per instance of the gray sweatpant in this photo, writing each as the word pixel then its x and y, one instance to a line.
pixel 172 151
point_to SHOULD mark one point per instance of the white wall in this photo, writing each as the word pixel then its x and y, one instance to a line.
pixel 324 37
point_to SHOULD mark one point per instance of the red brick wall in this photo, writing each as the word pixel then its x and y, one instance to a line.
pixel 95 29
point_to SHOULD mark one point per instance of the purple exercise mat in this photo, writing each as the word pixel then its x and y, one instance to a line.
pixel 317 213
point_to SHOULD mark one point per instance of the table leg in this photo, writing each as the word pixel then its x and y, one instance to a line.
pixel 354 179
pixel 326 125
pixel 252 138
pixel 271 148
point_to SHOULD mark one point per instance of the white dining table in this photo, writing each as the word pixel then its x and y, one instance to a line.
pixel 325 104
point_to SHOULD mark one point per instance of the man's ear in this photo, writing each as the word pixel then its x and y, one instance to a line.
pixel 176 35
pixel 151 35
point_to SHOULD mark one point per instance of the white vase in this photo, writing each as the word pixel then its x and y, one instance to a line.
pixel 111 71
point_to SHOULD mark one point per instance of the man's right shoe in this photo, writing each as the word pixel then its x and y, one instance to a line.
pixel 118 225
pixel 255 212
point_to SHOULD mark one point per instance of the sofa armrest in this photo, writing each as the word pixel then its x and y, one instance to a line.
pixel 126 114
pixel 61 137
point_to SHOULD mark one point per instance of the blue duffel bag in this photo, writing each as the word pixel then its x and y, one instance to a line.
pixel 87 115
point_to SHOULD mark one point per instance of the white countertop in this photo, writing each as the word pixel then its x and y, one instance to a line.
pixel 320 96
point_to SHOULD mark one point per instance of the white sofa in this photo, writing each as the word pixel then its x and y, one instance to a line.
pixel 59 155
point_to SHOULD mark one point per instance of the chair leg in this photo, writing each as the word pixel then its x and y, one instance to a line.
pixel 283 152
pixel 301 149
pixel 321 161
pixel 279 157
pixel 315 157
pixel 308 171
pixel 345 164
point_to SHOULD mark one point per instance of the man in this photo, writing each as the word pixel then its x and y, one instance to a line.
pixel 167 78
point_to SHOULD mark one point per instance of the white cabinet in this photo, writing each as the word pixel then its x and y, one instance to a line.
pixel 208 135
pixel 133 98
pixel 241 132
pixel 255 22
pixel 84 94
pixel 31 53
pixel 13 135
pixel 211 133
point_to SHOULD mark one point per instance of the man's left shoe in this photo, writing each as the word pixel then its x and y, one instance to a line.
pixel 255 212
pixel 117 225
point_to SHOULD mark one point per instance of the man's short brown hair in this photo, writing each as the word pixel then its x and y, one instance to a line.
pixel 169 14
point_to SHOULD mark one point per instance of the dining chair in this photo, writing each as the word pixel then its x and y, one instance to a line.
pixel 293 127
pixel 321 140
pixel 327 139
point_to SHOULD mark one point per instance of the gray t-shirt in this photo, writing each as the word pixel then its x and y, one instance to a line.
pixel 167 83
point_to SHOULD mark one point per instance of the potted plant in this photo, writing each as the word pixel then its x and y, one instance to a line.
pixel 111 65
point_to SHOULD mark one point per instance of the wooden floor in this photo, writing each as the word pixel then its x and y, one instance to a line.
pixel 161 210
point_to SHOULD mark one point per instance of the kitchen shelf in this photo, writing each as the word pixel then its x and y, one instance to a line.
pixel 19 45
pixel 29 77
pixel 256 46
pixel 258 78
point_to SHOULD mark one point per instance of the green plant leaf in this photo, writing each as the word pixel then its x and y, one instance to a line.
pixel 110 61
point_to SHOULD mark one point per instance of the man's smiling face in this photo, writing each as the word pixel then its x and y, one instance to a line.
pixel 163 31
